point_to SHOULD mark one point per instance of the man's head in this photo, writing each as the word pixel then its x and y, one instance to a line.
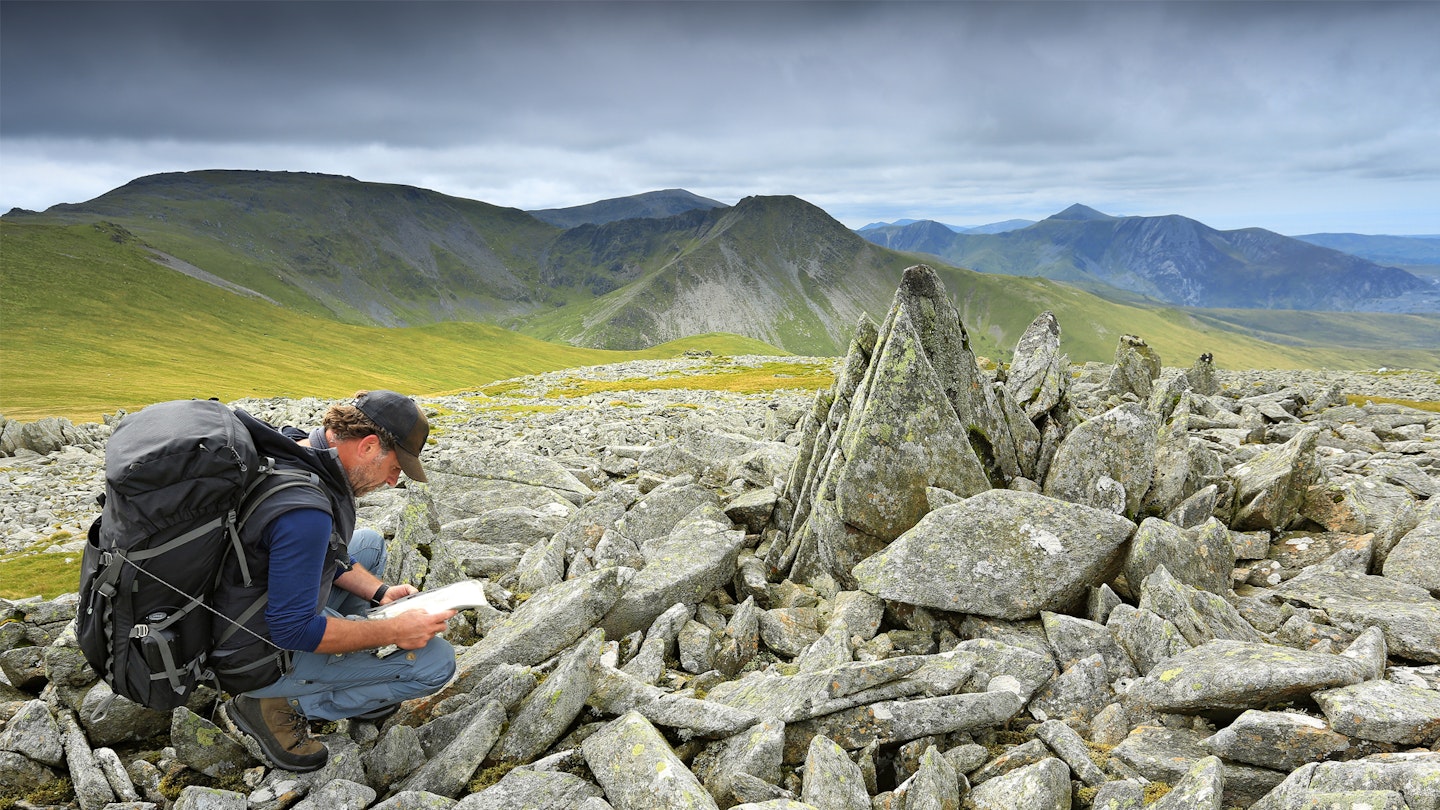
pixel 379 435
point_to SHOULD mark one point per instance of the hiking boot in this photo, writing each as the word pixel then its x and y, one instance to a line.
pixel 282 732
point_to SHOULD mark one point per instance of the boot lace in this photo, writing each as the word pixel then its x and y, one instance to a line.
pixel 299 728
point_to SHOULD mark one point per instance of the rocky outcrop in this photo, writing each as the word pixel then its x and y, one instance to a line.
pixel 855 598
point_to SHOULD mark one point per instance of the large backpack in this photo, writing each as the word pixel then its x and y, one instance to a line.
pixel 180 480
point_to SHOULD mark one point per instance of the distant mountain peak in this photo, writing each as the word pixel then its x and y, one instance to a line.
pixel 1081 213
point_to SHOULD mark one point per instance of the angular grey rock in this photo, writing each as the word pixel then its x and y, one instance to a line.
pixel 1117 446
pixel 544 716
pixel 1201 557
pixel 1407 614
pixel 204 747
pixel 1042 786
pixel 1136 368
pixel 1200 789
pixel 1073 639
pixel 1363 505
pixel 1196 509
pixel 116 775
pixel 789 631
pixel 1013 759
pixel 415 800
pixel 523 787
pixel 396 755
pixel 338 794
pixel 1241 675
pixel 1415 776
pixel 649 663
pixel 1168 755
pixel 1201 376
pixel 1384 712
pixel 1199 615
pixel 1070 747
pixel 740 641
pixel 685 566
pixel 92 789
pixel 900 720
pixel 1282 741
pixel 194 797
pixel 986 660
pixel 1358 800
pixel 638 769
pixel 547 623
pixel 754 752
pixel 1038 376
pixel 1270 489
pixel 1413 558
pixel 935 785
pixel 947 345
pixel 752 509
pixel 903 435
pixel 1147 637
pixel 1119 794
pixel 32 731
pixel 1077 694
pixel 790 698
pixel 832 780
pixel 19 775
pixel 479 467
pixel 447 773
pixel 1031 552
pixel 662 509
pixel 1184 467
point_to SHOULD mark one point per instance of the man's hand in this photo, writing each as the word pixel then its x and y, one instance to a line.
pixel 398 592
pixel 409 631
pixel 415 628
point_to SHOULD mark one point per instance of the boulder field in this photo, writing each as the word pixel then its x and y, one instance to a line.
pixel 935 584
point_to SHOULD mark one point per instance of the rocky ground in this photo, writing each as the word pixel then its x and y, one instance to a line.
pixel 1109 585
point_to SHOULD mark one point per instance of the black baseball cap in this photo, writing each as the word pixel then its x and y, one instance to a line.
pixel 402 419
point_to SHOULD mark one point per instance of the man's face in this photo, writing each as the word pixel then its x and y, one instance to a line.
pixel 373 468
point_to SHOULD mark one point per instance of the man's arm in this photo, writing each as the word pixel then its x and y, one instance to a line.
pixel 408 631
pixel 298 544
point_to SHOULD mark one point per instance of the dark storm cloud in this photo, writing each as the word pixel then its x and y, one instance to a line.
pixel 958 111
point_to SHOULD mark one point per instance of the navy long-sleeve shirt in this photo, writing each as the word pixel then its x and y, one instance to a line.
pixel 298 543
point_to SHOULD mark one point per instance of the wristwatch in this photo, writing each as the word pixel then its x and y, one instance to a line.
pixel 379 594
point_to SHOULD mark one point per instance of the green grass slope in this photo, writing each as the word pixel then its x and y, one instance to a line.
pixel 360 252
pixel 91 324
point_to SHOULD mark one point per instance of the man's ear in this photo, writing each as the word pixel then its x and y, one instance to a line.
pixel 369 446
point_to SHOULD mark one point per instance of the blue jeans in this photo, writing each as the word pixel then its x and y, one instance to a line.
pixel 331 687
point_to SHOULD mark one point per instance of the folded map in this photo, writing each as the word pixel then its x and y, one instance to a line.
pixel 457 596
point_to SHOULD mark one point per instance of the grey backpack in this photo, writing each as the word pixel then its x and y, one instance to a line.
pixel 180 480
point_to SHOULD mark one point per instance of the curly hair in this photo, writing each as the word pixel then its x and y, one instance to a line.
pixel 349 422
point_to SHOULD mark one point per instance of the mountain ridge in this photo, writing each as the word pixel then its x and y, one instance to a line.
pixel 1177 260
pixel 770 268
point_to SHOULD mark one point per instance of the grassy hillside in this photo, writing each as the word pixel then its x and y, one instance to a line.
pixel 370 253
pixel 91 324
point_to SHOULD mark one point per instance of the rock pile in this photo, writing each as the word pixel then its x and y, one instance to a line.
pixel 930 586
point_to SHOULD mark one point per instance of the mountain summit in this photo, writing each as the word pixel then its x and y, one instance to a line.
pixel 1175 260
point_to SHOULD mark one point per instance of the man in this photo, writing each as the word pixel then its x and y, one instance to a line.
pixel 301 651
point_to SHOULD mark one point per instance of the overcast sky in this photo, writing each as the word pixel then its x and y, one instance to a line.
pixel 1297 117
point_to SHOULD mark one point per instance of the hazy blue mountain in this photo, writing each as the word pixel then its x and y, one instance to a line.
pixel 1176 260
pixel 1001 227
pixel 994 227
pixel 1381 249
pixel 649 205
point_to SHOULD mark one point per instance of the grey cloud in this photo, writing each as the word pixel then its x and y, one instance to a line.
pixel 918 103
